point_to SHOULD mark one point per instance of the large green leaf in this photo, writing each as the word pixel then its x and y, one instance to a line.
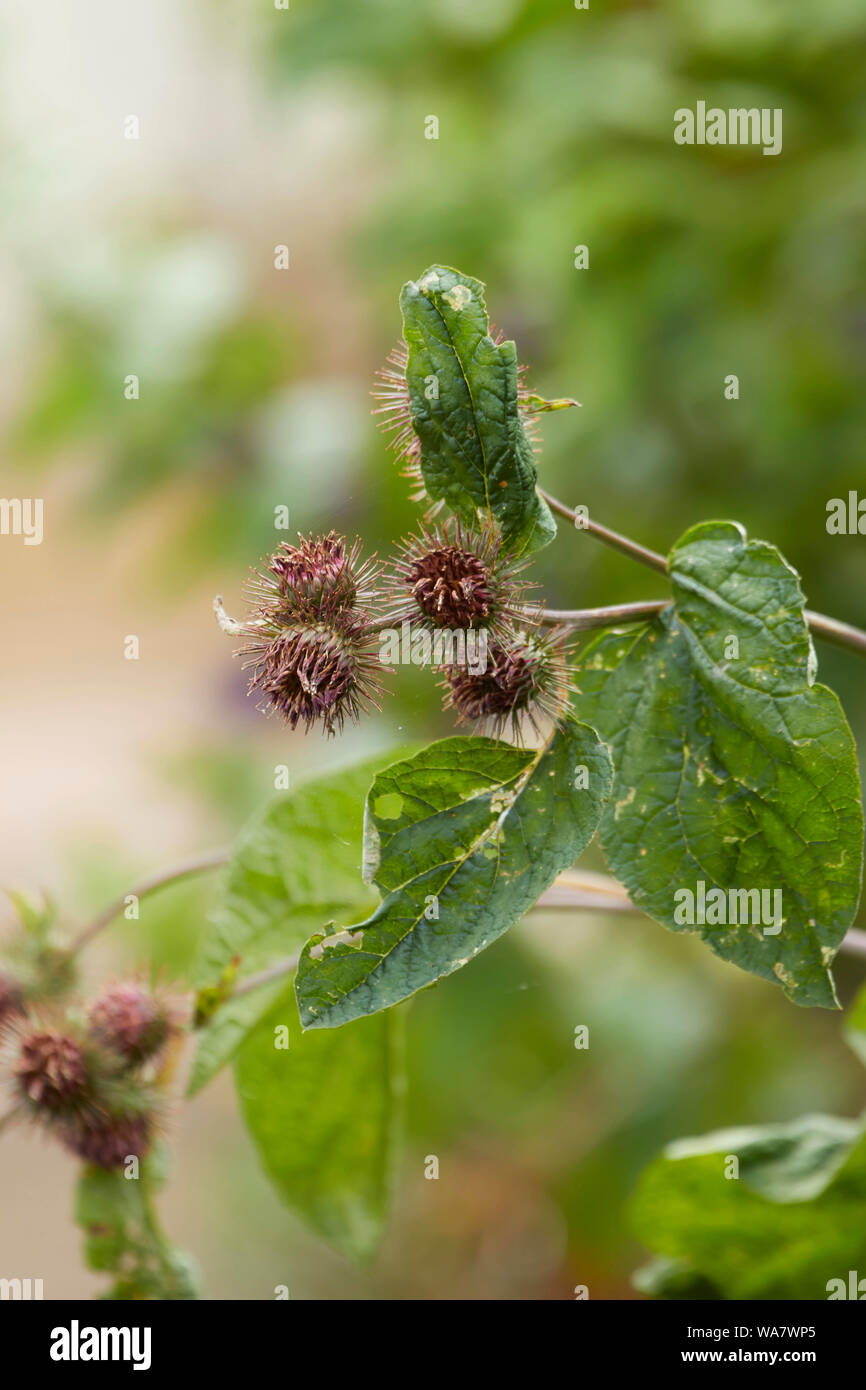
pixel 732 770
pixel 324 1114
pixel 295 867
pixel 221 1036
pixel 463 392
pixel 787 1225
pixel 462 839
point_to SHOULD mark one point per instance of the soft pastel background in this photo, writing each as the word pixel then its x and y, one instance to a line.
pixel 306 127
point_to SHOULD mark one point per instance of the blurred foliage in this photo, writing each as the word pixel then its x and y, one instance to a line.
pixel 675 1044
pixel 555 129
pixel 173 314
pixel 323 1112
pixel 123 1238
pixel 289 874
pixel 782 1225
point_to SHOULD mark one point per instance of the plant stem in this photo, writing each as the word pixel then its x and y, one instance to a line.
pixel 572 890
pixel 854 944
pixel 597 893
pixel 603 533
pixel 264 977
pixel 199 865
pixel 831 629
pixel 582 619
pixel 843 634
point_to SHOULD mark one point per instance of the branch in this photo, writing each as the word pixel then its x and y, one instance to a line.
pixel 594 891
pixel 611 538
pixel 156 881
pixel 573 890
pixel 854 944
pixel 264 977
pixel 843 634
pixel 617 614
pixel 598 893
pixel 831 629
pixel 581 619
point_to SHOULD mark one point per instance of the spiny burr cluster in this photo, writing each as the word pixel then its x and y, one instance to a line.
pixel 321 622
pixel 525 679
pixel 449 576
pixel 91 1083
pixel 313 641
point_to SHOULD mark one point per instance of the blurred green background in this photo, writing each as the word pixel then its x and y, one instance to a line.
pixel 306 128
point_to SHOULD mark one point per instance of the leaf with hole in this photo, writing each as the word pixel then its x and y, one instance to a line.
pixel 462 839
pixel 736 775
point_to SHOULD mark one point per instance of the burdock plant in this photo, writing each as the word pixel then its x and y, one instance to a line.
pixel 688 732
pixel 131 1022
pixel 525 678
pixel 449 576
pixel 312 647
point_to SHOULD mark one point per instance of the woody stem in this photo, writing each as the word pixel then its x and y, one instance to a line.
pixel 200 864
pixel 831 629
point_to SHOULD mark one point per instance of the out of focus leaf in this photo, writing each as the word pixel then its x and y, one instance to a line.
pixel 295 867
pixel 122 1236
pixel 788 1224
pixel 855 1025
pixel 323 1112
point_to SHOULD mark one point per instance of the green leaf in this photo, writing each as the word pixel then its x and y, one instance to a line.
pixel 674 1280
pixel 732 768
pixel 791 1222
pixel 462 839
pixel 475 454
pixel 222 1035
pixel 295 867
pixel 36 916
pixel 122 1236
pixel 323 1114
